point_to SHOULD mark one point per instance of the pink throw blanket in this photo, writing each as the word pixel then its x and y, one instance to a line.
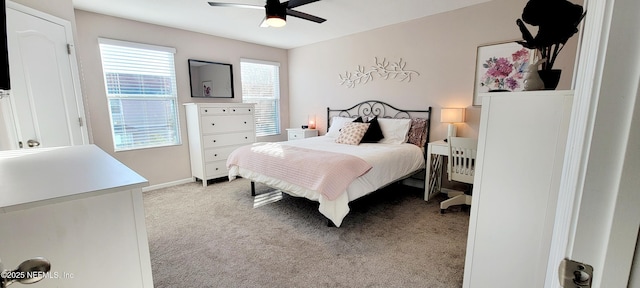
pixel 328 173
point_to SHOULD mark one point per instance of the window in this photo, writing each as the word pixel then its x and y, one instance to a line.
pixel 261 85
pixel 141 90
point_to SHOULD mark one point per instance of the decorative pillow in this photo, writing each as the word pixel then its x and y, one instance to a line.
pixel 417 132
pixel 352 133
pixel 394 130
pixel 374 133
pixel 336 125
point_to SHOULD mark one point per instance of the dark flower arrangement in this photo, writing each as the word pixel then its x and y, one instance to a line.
pixel 557 21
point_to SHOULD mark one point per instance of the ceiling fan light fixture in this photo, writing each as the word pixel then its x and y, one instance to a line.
pixel 275 21
pixel 276 13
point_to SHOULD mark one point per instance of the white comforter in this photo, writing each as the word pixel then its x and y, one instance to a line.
pixel 390 162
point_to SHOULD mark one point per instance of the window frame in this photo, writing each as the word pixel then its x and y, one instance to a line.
pixel 146 97
pixel 278 115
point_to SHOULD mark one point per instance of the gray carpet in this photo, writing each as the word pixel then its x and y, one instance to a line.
pixel 213 237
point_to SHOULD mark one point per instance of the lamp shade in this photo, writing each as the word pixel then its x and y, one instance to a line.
pixel 312 121
pixel 276 21
pixel 452 115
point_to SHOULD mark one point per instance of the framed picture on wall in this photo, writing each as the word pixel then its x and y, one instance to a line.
pixel 500 67
pixel 210 79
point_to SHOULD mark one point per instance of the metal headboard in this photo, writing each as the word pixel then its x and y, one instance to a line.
pixel 382 110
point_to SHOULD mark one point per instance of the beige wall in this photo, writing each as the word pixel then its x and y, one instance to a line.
pixel 59 8
pixel 160 165
pixel 442 48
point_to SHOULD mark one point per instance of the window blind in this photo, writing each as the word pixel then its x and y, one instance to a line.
pixel 261 85
pixel 141 89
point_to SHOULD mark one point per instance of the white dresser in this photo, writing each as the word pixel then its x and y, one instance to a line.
pixel 79 208
pixel 215 130
pixel 299 133
pixel 521 147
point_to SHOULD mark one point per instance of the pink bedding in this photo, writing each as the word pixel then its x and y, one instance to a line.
pixel 329 173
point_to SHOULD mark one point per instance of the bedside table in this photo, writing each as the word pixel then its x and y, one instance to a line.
pixel 299 133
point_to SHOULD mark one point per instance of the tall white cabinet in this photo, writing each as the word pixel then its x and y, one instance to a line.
pixel 215 130
pixel 521 148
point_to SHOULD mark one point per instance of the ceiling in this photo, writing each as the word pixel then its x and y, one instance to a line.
pixel 344 17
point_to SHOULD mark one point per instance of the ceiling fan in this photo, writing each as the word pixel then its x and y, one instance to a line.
pixel 276 12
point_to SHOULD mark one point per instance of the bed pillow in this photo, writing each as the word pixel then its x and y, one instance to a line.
pixel 336 124
pixel 417 132
pixel 395 131
pixel 352 133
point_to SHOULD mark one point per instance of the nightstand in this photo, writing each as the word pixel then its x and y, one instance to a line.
pixel 435 152
pixel 298 133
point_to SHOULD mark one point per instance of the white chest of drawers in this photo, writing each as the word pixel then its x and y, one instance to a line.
pixel 216 129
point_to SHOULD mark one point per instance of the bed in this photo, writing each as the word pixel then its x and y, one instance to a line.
pixel 337 168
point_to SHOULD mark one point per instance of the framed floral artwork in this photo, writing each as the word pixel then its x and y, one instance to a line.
pixel 500 67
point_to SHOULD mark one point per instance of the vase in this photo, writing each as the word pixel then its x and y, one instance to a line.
pixel 551 78
pixel 533 81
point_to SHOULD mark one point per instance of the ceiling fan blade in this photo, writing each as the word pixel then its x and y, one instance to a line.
pixel 305 16
pixel 296 3
pixel 219 4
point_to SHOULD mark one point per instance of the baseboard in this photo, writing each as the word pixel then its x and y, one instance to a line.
pixel 168 184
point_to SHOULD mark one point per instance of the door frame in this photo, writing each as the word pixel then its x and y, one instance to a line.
pixel 596 218
pixel 9 109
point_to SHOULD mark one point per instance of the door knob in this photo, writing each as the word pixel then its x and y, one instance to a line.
pixel 30 271
pixel 575 274
pixel 33 143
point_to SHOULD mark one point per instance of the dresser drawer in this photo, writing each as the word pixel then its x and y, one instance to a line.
pixel 294 134
pixel 218 154
pixel 210 141
pixel 214 110
pixel 216 169
pixel 241 110
pixel 223 124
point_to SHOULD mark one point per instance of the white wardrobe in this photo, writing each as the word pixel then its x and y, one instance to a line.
pixel 521 148
pixel 215 130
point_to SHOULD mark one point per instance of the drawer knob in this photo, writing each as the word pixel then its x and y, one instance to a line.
pixel 215 155
pixel 234 110
pixel 224 110
pixel 216 169
pixel 213 124
pixel 245 137
pixel 249 110
pixel 245 122
pixel 214 141
pixel 205 110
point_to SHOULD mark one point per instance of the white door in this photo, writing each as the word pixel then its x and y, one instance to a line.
pixel 598 217
pixel 44 109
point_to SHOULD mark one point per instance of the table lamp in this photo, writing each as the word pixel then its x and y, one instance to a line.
pixel 452 116
pixel 312 121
